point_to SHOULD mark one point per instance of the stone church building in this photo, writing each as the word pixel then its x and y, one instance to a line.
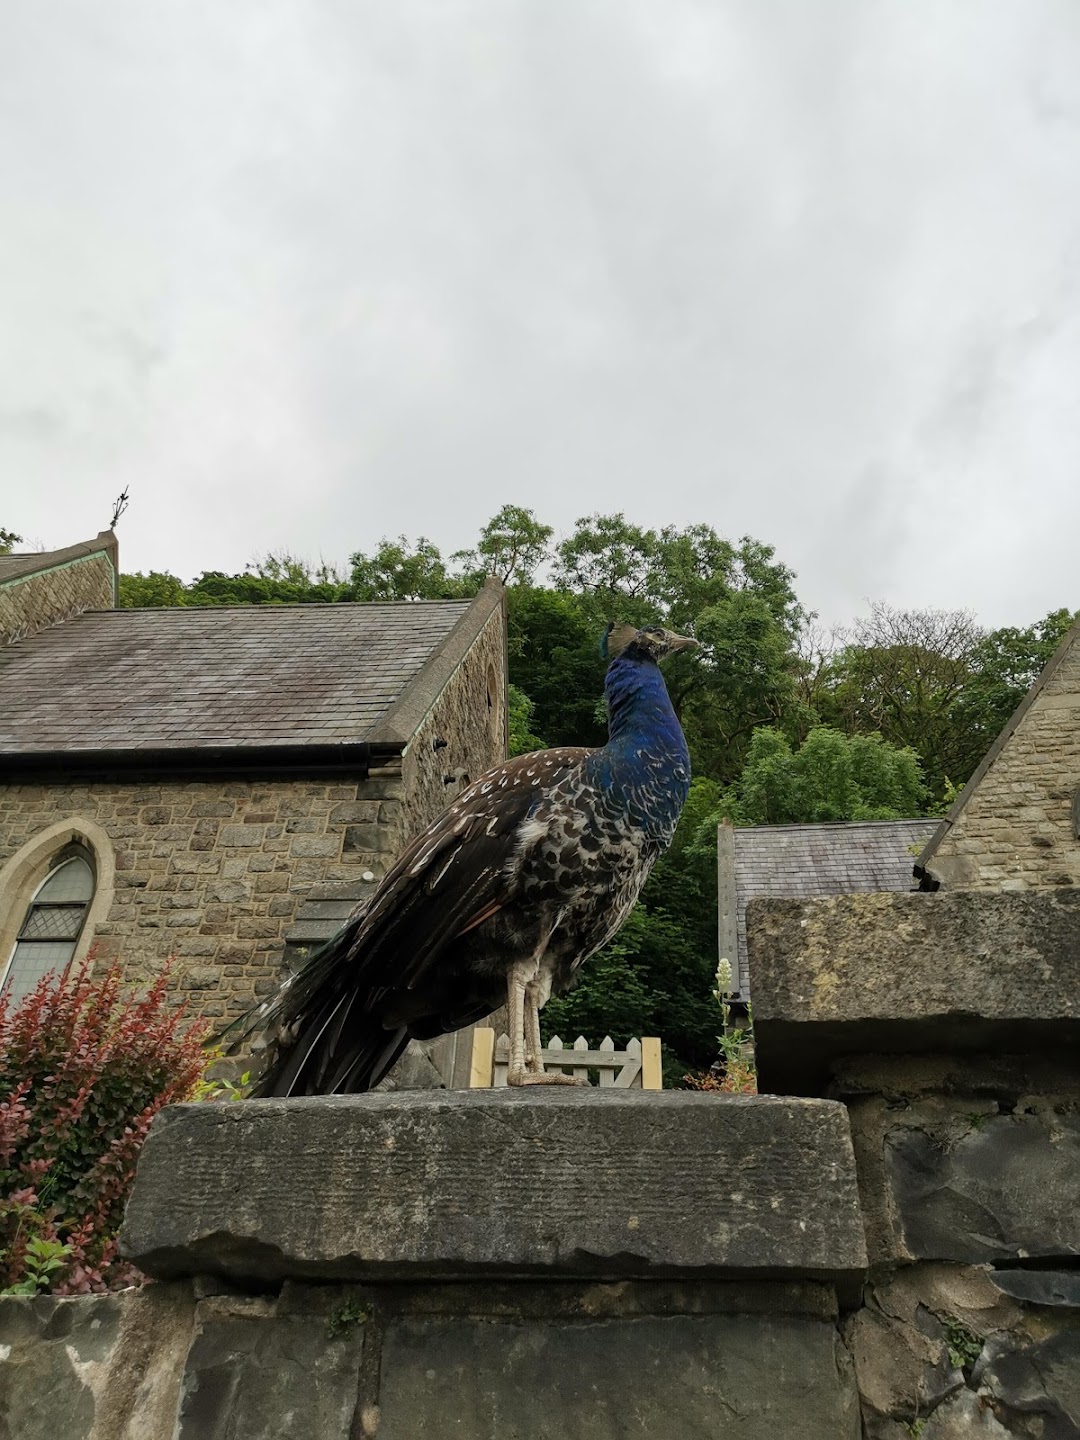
pixel 217 784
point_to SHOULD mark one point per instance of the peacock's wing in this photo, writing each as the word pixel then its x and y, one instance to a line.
pixel 340 1022
pixel 459 872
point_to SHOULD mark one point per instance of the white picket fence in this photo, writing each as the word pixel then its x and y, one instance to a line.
pixel 636 1067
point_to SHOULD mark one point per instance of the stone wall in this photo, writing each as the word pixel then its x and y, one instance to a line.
pixel 481 1360
pixel 85 580
pixel 494 1265
pixel 212 872
pixel 1015 829
pixel 470 716
pixel 949 1026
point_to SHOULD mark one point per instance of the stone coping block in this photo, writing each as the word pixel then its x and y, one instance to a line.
pixel 948 972
pixel 469 1184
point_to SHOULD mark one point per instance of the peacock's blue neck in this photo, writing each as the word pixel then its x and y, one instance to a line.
pixel 645 760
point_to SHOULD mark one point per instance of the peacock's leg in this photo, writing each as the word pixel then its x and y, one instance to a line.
pixel 533 1044
pixel 518 1004
pixel 516 986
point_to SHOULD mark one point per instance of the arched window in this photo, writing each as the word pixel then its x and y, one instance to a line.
pixel 53 922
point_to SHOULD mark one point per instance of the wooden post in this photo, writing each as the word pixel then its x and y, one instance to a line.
pixel 482 1069
pixel 652 1072
pixel 581 1072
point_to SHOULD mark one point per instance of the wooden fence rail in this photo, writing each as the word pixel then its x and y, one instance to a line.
pixel 638 1066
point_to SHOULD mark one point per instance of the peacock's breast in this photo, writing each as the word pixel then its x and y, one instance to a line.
pixel 586 861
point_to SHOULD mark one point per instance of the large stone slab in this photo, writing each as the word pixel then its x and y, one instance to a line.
pixel 464 1184
pixel 285 1368
pixel 950 971
pixel 695 1377
pixel 93 1367
pixel 1005 1190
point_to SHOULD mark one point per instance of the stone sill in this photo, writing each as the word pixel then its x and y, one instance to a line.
pixel 467 1185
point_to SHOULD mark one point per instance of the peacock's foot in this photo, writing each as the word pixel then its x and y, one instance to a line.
pixel 529 1077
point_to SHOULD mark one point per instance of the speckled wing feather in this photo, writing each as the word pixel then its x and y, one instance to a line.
pixel 343 1019
pixel 456 873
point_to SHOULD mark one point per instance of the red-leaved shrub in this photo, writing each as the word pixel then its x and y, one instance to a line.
pixel 84 1068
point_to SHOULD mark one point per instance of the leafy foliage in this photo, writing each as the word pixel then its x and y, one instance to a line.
pixel 1004 665
pixel 85 1069
pixel 830 777
pixel 519 718
pixel 512 547
pixel 901 676
pixel 401 570
pixel 8 541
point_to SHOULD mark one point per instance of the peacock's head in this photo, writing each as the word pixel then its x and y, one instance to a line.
pixel 652 642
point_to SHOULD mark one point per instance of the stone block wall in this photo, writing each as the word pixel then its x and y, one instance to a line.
pixel 1016 830
pixel 948 1024
pixel 213 872
pixel 494 1265
pixel 470 716
pixel 85 580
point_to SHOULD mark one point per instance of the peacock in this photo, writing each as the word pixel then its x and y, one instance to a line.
pixel 528 872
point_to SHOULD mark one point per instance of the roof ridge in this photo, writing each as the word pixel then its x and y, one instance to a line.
pixel 839 824
pixel 279 605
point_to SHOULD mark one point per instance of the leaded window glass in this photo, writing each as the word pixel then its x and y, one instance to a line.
pixel 52 924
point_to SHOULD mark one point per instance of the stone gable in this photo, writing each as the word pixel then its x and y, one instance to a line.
pixel 1014 826
pixel 37 591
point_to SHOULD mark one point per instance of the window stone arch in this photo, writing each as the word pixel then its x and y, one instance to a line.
pixel 27 871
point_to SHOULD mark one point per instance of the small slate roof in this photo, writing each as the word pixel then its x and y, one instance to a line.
pixel 244 676
pixel 801 861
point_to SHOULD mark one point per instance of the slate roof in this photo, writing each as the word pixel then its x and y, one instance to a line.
pixel 245 676
pixel 801 861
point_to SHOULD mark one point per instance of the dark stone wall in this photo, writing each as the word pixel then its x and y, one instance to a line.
pixel 524 1361
pixel 946 1023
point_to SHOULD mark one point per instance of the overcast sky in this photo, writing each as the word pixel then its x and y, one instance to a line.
pixel 305 273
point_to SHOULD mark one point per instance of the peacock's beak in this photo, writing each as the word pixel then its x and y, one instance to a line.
pixel 678 642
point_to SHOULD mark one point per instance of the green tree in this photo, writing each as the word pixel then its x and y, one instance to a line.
pixel 512 547
pixel 402 570
pixel 8 541
pixel 154 589
pixel 830 777
pixel 1004 665
pixel 612 560
pixel 277 579
pixel 901 676
pixel 554 651
pixel 519 719
pixel 737 600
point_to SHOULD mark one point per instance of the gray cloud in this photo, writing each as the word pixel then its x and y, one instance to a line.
pixel 308 274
